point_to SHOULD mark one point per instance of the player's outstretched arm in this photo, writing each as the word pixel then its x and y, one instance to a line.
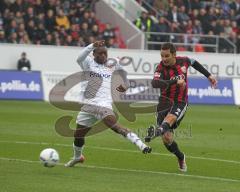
pixel 83 56
pixel 196 65
pixel 126 84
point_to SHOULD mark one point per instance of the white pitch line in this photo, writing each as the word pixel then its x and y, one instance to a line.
pixel 134 170
pixel 121 150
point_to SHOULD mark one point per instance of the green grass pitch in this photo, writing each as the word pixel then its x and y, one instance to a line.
pixel 209 136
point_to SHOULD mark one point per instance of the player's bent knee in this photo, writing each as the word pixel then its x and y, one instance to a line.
pixel 171 119
pixel 165 127
pixel 167 137
pixel 110 121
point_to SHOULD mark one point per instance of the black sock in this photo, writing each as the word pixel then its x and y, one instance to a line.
pixel 79 142
pixel 173 148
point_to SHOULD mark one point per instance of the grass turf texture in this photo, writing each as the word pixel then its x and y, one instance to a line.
pixel 209 135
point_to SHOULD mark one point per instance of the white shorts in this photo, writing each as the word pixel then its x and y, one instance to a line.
pixel 90 114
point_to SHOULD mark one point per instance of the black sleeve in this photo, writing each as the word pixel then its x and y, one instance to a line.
pixel 162 83
pixel 196 65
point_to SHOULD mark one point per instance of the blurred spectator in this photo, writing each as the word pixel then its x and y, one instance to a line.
pixel 70 41
pixel 111 43
pixel 235 5
pixel 40 33
pixel 225 6
pixel 50 22
pixel 62 20
pixel 29 15
pixel 197 27
pixel 23 63
pixel 161 6
pixel 2 37
pixel 18 5
pixel 211 41
pixel 89 18
pixel 144 22
pixel 108 32
pixel 173 15
pixel 183 17
pixel 95 31
pixel 238 43
pixel 203 18
pixel 49 40
pixel 227 27
pixel 195 4
pixel 13 38
pixel 161 27
pixel 39 7
pixel 25 39
pixel 32 31
pixel 18 18
pixel 85 32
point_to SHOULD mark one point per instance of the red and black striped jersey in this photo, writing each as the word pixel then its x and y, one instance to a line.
pixel 178 71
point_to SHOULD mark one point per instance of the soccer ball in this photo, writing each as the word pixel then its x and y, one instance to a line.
pixel 49 157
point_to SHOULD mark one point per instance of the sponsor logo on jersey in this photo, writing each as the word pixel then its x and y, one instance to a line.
pixel 184 69
pixel 179 77
pixel 92 74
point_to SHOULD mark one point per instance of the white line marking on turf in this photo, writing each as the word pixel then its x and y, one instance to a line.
pixel 121 150
pixel 133 170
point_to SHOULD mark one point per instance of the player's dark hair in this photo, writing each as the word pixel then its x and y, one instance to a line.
pixel 103 47
pixel 169 46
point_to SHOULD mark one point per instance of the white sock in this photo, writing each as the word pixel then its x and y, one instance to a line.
pixel 77 151
pixel 136 140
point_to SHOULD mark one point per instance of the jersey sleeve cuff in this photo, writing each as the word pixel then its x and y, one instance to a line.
pixel 90 47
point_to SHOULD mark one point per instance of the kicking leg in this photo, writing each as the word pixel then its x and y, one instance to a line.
pixel 111 122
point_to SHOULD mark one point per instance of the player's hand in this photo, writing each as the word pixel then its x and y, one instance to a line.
pixel 213 81
pixel 181 83
pixel 99 43
pixel 121 88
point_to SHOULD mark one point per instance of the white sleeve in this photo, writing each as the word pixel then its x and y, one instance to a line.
pixel 84 59
pixel 118 65
pixel 123 73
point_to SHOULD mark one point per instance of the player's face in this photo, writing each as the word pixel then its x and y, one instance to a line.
pixel 168 58
pixel 100 55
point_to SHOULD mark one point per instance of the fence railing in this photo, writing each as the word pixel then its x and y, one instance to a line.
pixel 191 42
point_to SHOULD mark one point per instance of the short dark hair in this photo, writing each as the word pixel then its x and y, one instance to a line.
pixel 170 46
pixel 103 47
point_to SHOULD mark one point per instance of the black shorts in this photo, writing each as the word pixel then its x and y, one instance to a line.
pixel 177 109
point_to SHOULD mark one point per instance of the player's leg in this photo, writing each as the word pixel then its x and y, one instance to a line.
pixel 78 145
pixel 171 122
pixel 111 122
pixel 152 130
pixel 84 122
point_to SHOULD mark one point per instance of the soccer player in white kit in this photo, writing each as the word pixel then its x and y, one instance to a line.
pixel 98 99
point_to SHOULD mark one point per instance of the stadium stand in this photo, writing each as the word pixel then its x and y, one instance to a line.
pixel 54 22
pixel 211 26
pixel 216 19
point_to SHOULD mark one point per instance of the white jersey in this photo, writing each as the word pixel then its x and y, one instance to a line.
pixel 98 76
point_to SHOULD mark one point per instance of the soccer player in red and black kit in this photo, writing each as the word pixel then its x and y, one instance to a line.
pixel 171 77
